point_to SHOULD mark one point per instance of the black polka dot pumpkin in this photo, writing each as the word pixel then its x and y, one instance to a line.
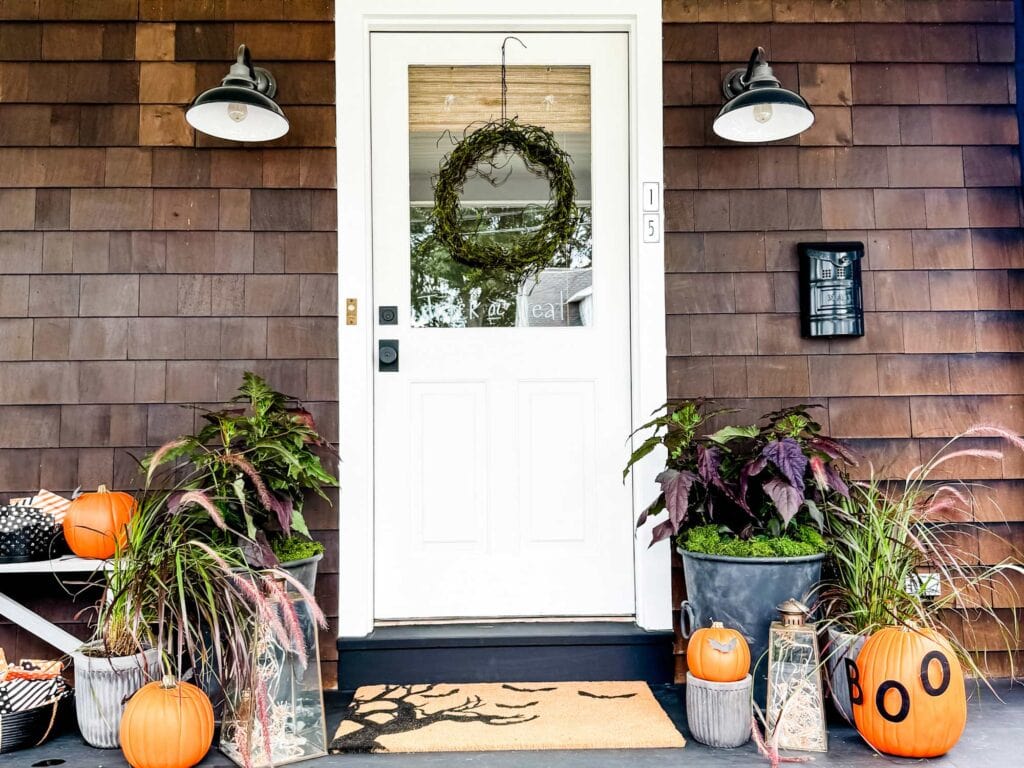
pixel 26 533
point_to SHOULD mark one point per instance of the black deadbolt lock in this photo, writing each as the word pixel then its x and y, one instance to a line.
pixel 387 315
pixel 387 355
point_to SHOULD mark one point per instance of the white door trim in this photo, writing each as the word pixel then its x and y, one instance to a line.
pixel 355 20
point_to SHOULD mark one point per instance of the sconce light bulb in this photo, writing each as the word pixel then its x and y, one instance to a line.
pixel 763 113
pixel 237 112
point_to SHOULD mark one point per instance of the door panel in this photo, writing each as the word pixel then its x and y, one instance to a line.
pixel 500 439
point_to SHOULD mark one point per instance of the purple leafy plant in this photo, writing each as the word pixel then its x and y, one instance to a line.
pixel 750 479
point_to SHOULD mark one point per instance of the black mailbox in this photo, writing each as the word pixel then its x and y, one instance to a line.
pixel 831 296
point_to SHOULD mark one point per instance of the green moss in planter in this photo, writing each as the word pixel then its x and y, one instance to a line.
pixel 708 540
pixel 293 548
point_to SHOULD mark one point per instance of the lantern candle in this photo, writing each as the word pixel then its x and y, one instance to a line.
pixel 795 706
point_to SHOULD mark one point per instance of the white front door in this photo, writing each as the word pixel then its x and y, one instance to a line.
pixel 499 441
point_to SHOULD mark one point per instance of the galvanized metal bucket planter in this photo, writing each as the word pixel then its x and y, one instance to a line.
pixel 742 593
pixel 841 646
pixel 719 714
pixel 102 684
pixel 304 571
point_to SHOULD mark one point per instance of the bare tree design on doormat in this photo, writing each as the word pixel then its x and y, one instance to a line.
pixel 392 711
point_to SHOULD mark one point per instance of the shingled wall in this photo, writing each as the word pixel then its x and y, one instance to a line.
pixel 143 267
pixel 915 154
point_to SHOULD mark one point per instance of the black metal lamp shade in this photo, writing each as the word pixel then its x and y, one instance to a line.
pixel 242 107
pixel 758 108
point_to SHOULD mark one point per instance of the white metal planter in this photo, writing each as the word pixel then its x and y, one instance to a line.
pixel 102 684
pixel 841 646
pixel 719 714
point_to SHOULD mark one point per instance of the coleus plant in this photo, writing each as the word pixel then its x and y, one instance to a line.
pixel 256 461
pixel 752 479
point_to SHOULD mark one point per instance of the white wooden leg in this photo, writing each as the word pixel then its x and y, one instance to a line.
pixel 37 625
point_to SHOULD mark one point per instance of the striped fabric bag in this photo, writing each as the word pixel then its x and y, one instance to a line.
pixel 47 501
pixel 34 700
pixel 31 684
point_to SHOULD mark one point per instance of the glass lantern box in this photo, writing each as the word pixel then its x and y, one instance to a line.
pixel 284 694
pixel 796 706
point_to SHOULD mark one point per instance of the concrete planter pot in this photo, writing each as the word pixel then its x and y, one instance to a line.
pixel 742 593
pixel 102 684
pixel 719 714
pixel 841 646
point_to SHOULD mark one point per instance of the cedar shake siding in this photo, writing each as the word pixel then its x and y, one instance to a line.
pixel 143 266
pixel 914 153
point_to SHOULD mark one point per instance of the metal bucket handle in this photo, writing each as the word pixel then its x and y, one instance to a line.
pixel 687 620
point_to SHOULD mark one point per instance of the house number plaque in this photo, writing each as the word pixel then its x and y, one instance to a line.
pixel 651 213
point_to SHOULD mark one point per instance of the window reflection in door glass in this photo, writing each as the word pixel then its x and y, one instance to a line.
pixel 444 104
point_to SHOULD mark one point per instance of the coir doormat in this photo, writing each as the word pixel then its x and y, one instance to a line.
pixel 487 717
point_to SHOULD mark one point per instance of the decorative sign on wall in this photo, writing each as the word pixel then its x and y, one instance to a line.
pixel 831 297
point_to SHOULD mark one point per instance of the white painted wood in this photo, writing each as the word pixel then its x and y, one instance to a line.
pixel 65 564
pixel 505 497
pixel 356 19
pixel 32 621
pixel 37 625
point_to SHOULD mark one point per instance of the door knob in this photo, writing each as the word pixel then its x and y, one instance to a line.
pixel 387 355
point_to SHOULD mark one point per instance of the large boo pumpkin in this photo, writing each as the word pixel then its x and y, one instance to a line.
pixel 718 654
pixel 166 725
pixel 907 691
pixel 94 525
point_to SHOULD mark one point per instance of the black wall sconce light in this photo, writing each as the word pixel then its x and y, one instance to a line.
pixel 758 108
pixel 242 107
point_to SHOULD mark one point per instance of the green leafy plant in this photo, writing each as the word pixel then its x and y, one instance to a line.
pixel 256 463
pixel 295 548
pixel 803 540
pixel 757 480
pixel 893 543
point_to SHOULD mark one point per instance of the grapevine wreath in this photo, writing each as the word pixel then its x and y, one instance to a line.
pixel 483 147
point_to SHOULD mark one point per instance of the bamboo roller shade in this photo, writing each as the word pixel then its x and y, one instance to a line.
pixel 451 98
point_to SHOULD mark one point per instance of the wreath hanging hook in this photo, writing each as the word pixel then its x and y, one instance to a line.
pixel 504 75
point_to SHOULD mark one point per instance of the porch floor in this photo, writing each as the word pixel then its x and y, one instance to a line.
pixel 994 735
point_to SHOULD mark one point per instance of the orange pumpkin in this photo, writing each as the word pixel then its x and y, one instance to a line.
pixel 94 525
pixel 166 725
pixel 718 654
pixel 907 691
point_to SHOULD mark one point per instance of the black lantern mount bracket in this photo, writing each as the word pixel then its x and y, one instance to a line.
pixel 757 74
pixel 244 74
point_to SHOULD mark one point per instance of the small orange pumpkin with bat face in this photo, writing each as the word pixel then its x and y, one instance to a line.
pixel 718 654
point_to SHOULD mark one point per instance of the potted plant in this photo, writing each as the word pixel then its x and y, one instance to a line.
pixel 894 563
pixel 195 610
pixel 256 462
pixel 111 667
pixel 744 506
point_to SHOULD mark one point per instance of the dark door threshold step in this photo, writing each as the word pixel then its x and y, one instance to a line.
pixel 505 652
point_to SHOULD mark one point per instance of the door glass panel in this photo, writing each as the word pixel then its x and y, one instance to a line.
pixel 500 202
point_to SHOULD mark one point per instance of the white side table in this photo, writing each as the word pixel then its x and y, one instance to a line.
pixel 32 621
